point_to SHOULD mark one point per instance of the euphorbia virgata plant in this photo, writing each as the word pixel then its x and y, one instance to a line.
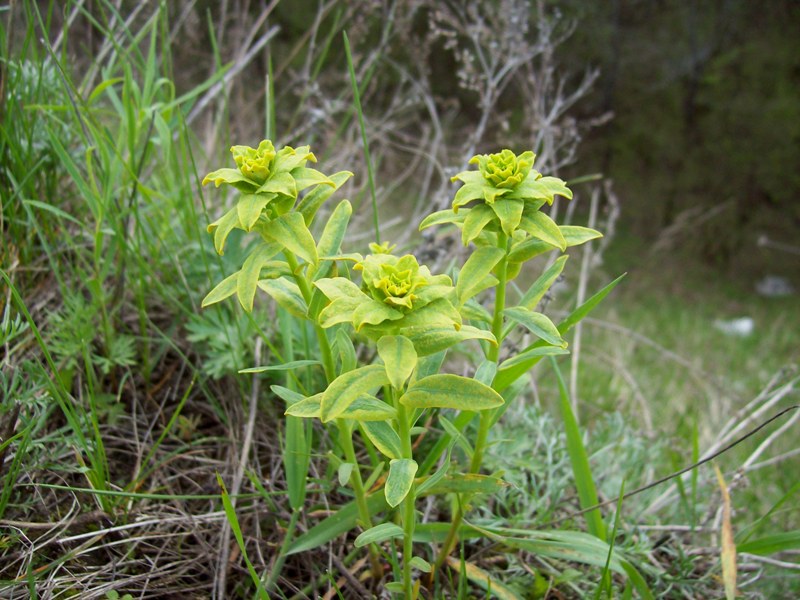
pixel 409 319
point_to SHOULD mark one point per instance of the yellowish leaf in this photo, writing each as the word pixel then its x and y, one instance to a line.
pixel 728 550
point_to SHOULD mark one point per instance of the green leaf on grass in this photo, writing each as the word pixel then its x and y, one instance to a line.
pixel 287 294
pixel 349 386
pixel 369 408
pixel 343 472
pixel 419 563
pixel 476 219
pixel 383 437
pixel 290 231
pixel 441 217
pixel 472 275
pixel 537 323
pixel 432 339
pixel 332 236
pixel 224 289
pixel 399 358
pixel 400 479
pixel 307 408
pixel 770 544
pixel 379 533
pixel 251 273
pixel 451 391
pixel 543 227
pixel 543 283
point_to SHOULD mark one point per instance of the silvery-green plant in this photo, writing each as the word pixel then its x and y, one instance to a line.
pixel 410 316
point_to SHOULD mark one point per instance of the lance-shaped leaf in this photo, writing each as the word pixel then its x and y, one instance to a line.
pixel 508 373
pixel 451 391
pixel 349 386
pixel 485 372
pixel 225 288
pixel 332 236
pixel 429 340
pixel 473 273
pixel 383 437
pixel 280 183
pixel 400 480
pixel 399 358
pixel 475 312
pixel 308 408
pixel 286 294
pixel 344 471
pixel 250 207
pixel 420 564
pixel 232 176
pixel 345 297
pixel 543 283
pixel 536 323
pixel 251 273
pixel 441 217
pixel 478 217
pixel 289 396
pixel 306 177
pixel 575 235
pixel 222 227
pixel 530 357
pixel 509 212
pixel 543 227
pixel 574 546
pixel 372 312
pixel 369 408
pixel 543 188
pixel 343 345
pixel 467 193
pixel 291 232
pixel 379 533
pixel 311 202
pixel 527 249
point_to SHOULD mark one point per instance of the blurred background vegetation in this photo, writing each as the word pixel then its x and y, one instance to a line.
pixel 676 123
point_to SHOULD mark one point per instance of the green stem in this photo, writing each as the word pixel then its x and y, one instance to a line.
pixel 346 441
pixel 494 351
pixel 324 345
pixel 486 415
pixel 409 502
pixel 345 432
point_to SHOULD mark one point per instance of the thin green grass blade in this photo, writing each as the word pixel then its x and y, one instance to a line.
pixel 581 470
pixel 230 513
pixel 357 103
pixel 605 578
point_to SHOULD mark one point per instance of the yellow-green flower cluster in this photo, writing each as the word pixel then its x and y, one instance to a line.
pixel 504 194
pixel 504 169
pixel 254 163
pixel 395 281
